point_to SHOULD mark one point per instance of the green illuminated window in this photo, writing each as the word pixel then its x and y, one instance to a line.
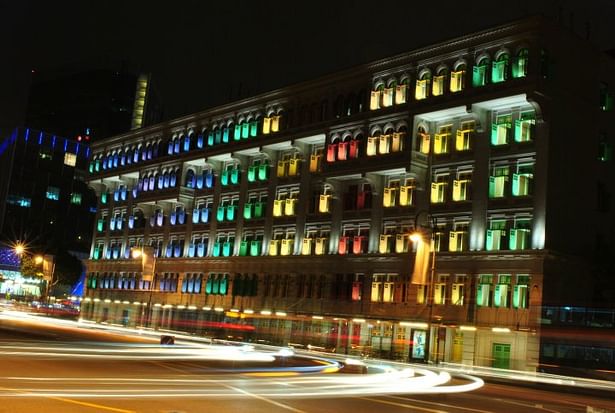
pixel 523 179
pixel 524 127
pixel 499 68
pixel 479 73
pixel 483 290
pixel 75 198
pixel 521 297
pixel 498 181
pixel 500 130
pixel 496 235
pixel 519 67
pixel 502 291
pixel 519 237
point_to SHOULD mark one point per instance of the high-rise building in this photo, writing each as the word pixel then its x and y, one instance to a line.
pixel 45 201
pixel 306 214
pixel 86 104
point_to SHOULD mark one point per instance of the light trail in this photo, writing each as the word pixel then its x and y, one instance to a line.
pixel 259 377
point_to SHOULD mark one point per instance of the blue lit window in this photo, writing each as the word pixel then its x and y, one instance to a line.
pixel 53 193
pixel 187 142
pixel 19 201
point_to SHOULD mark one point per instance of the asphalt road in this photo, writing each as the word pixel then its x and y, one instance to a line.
pixel 54 368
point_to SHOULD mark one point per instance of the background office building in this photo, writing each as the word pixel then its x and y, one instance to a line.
pixel 286 217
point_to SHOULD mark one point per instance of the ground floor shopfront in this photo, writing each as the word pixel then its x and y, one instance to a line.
pixel 412 341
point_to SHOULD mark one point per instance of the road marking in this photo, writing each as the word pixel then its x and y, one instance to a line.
pixel 441 404
pixel 265 399
pixel 407 406
pixel 62 399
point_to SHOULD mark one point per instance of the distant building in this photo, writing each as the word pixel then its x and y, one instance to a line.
pixel 90 104
pixel 44 200
pixel 286 217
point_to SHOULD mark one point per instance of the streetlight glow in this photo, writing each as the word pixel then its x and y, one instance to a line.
pixel 416 237
pixel 19 248
pixel 38 260
pixel 136 253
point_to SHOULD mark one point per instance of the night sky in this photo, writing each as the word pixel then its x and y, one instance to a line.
pixel 203 53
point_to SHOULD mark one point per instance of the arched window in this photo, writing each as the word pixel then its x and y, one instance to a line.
pixel 170 147
pixel 155 148
pixel 200 140
pixel 401 91
pixel 187 141
pixel 122 156
pixel 350 106
pixel 115 160
pixel 159 180
pixel 166 179
pixel 458 78
pixel 144 153
pixel 226 133
pixel 422 85
pixel 376 96
pixel 423 140
pixel 519 68
pixel 128 156
pixel 479 72
pixel 499 68
pixel 190 181
pixel 176 144
pixel 439 81
pixel 173 178
pixel 148 149
pixel 152 181
pixel 135 154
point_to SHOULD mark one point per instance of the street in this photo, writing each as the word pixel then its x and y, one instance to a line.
pixel 50 367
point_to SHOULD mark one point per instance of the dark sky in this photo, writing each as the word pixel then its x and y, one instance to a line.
pixel 200 52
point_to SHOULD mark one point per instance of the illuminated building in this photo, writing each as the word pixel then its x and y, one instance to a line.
pixel 291 211
pixel 44 200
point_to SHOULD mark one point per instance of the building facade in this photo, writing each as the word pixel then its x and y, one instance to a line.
pixel 287 217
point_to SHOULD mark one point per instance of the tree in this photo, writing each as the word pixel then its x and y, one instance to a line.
pixel 29 268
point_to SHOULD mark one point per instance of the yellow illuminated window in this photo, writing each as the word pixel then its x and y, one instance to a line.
pixel 389 197
pixel 321 246
pixel 293 166
pixel 266 125
pixel 401 92
pixel 438 85
pixel 274 246
pixel 405 195
pixel 70 159
pixel 315 162
pixel 384 144
pixel 372 145
pixel 424 142
pixel 323 203
pixel 387 96
pixel 278 206
pixel 422 88
pixel 289 206
pixel 457 79
pixel 281 169
pixel 306 246
pixel 438 191
pixel 384 246
pixel 397 141
pixel 401 243
pixel 275 123
pixel 287 246
pixel 462 141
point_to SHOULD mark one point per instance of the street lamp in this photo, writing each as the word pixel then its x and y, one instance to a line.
pixel 420 269
pixel 148 270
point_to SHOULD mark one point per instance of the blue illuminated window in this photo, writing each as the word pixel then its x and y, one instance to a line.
pixel 53 193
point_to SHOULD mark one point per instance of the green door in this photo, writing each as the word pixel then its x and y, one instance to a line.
pixel 501 356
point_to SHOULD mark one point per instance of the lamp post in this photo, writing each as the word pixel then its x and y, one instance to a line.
pixel 419 237
pixel 148 270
